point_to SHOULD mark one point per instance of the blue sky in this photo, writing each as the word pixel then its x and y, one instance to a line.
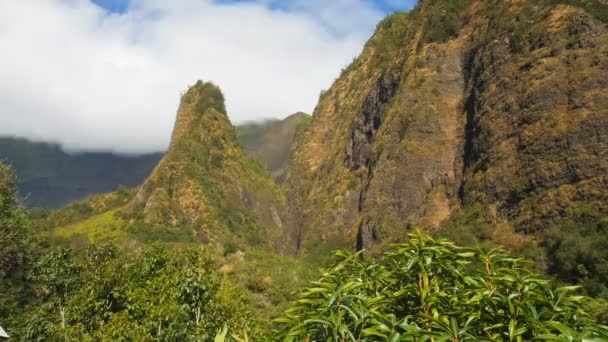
pixel 386 6
pixel 116 6
pixel 101 68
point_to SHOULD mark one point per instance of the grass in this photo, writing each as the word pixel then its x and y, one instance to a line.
pixel 103 227
pixel 597 8
pixel 271 278
pixel 148 233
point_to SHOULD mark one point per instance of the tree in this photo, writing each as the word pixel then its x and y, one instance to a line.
pixel 197 282
pixel 57 277
pixel 433 290
pixel 13 224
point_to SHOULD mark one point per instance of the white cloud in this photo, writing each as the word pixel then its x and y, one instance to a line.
pixel 72 73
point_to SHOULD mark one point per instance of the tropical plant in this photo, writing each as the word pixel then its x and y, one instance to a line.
pixel 433 290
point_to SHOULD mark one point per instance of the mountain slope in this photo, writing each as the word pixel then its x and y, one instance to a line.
pixel 206 182
pixel 270 141
pixel 51 178
pixel 495 110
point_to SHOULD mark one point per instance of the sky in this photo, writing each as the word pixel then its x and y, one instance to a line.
pixel 107 75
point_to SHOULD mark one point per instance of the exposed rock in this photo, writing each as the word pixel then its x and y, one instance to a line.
pixel 503 105
pixel 368 123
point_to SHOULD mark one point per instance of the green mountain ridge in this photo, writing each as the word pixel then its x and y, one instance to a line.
pixel 49 177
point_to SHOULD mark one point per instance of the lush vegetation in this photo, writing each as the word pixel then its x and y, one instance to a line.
pixel 14 229
pixel 424 289
pixel 444 20
pixel 577 253
pixel 433 290
pixel 154 293
pixel 151 284
pixel 106 292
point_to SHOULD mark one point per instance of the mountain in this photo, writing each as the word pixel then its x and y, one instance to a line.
pixel 270 141
pixel 207 183
pixel 482 120
pixel 51 178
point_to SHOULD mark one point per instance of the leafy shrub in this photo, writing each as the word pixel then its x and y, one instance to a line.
pixel 577 253
pixel 429 289
pixel 230 247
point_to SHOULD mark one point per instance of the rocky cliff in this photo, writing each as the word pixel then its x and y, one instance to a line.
pixel 206 182
pixel 497 108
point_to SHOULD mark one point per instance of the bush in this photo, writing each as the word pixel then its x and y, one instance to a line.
pixel 230 247
pixel 429 289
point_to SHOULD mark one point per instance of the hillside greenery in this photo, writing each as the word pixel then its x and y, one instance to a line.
pixel 132 290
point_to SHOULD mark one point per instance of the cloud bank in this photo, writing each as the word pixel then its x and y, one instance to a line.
pixel 73 73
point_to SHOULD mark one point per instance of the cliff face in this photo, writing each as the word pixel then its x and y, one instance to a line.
pixel 537 109
pixel 462 104
pixel 206 182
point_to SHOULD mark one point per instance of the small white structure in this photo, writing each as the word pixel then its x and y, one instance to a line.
pixel 3 333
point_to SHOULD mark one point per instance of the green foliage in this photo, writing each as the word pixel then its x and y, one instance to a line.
pixel 443 20
pixel 470 226
pixel 395 32
pixel 56 275
pixel 15 247
pixel 150 294
pixel 13 224
pixel 577 253
pixel 429 289
pixel 230 247
pixel 598 309
pixel 209 96
pixel 79 211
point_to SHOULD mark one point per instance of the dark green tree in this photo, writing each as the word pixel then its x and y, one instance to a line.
pixel 57 277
